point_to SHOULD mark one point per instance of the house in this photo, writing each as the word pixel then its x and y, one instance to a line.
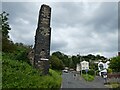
pixel 84 65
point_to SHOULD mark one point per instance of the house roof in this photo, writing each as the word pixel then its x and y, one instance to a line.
pixel 84 62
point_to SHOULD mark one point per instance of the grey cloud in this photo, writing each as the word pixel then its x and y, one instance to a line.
pixel 105 16
pixel 15 9
pixel 56 46
pixel 66 14
pixel 101 17
pixel 22 10
pixel 76 27
pixel 23 21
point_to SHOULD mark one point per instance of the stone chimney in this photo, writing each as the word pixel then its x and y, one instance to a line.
pixel 42 40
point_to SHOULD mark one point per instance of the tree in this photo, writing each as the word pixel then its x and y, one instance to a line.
pixel 71 64
pixel 75 60
pixel 58 54
pixel 115 64
pixel 56 63
pixel 4 24
pixel 62 57
pixel 7 45
pixel 65 60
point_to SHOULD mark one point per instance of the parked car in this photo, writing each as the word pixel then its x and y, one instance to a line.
pixel 71 69
pixel 65 70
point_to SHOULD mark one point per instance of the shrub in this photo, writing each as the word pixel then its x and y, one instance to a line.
pixel 109 70
pixel 19 74
pixel 88 77
pixel 20 54
pixel 97 72
pixel 91 72
pixel 115 64
pixel 56 63
pixel 83 72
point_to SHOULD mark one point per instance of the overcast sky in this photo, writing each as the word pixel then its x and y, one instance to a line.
pixel 77 27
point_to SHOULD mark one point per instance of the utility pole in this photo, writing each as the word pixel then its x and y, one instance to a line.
pixel 80 65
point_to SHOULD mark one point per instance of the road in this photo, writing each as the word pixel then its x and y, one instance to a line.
pixel 70 82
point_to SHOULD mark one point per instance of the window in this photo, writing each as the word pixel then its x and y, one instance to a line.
pixel 83 67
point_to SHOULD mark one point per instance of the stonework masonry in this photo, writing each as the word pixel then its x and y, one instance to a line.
pixel 42 40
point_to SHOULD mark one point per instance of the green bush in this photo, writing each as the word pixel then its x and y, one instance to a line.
pixel 88 77
pixel 56 63
pixel 91 72
pixel 83 72
pixel 115 64
pixel 20 54
pixel 109 70
pixel 97 72
pixel 19 74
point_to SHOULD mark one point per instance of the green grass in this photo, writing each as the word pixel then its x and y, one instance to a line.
pixel 0 70
pixel 88 77
pixel 19 74
pixel 115 85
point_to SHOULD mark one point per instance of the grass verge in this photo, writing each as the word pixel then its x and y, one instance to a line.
pixel 88 77
pixel 115 85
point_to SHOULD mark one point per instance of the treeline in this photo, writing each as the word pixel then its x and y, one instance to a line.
pixel 60 60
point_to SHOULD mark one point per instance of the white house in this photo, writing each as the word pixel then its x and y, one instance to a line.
pixel 84 65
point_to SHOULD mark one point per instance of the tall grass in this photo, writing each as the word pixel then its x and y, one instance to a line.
pixel 19 74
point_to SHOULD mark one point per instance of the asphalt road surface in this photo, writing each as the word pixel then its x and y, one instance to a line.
pixel 69 81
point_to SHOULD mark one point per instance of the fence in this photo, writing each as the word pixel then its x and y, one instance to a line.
pixel 114 77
